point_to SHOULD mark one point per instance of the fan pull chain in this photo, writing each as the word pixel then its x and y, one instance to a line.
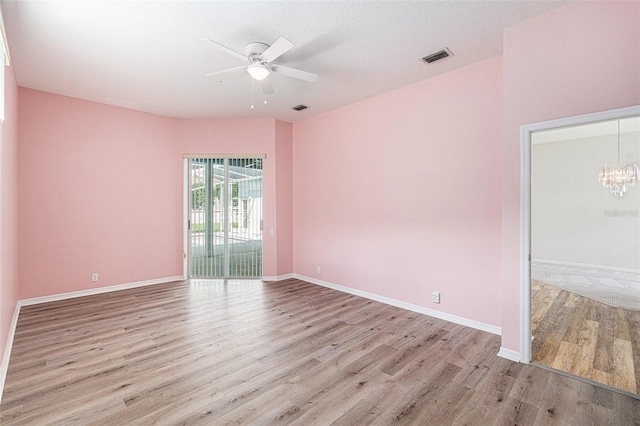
pixel 252 93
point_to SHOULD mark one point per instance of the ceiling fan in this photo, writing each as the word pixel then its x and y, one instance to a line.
pixel 260 57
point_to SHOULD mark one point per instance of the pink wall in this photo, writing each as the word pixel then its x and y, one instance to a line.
pixel 399 195
pixel 8 207
pixel 100 191
pixel 239 137
pixel 578 59
pixel 390 195
pixel 284 184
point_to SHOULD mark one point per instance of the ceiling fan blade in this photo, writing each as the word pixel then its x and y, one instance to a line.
pixel 225 71
pixel 295 73
pixel 228 50
pixel 267 87
pixel 280 47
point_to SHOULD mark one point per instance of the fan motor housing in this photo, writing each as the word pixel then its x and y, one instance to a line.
pixel 255 48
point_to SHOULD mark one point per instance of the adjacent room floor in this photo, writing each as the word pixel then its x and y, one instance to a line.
pixel 248 352
pixel 585 337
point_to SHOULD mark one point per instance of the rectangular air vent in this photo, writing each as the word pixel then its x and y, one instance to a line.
pixel 437 56
pixel 299 107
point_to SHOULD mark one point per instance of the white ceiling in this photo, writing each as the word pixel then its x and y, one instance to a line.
pixel 148 55
pixel 584 131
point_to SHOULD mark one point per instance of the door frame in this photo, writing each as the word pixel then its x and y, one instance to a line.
pixel 186 208
pixel 186 192
pixel 525 207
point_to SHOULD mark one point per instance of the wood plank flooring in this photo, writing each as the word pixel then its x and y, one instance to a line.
pixel 247 352
pixel 586 338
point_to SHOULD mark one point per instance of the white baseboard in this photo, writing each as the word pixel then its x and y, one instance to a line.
pixel 404 305
pixel 277 277
pixel 4 367
pixel 99 290
pixel 509 354
pixel 586 265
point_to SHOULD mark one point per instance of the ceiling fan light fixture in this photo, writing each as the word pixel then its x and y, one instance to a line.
pixel 258 71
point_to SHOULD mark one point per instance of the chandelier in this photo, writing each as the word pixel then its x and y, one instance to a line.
pixel 619 179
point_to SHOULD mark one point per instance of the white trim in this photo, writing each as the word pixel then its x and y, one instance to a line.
pixel 186 216
pixel 277 277
pixel 4 367
pixel 586 265
pixel 509 354
pixel 525 207
pixel 525 244
pixel 227 155
pixel 404 305
pixel 99 290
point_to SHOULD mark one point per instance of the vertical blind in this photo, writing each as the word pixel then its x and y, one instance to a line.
pixel 225 213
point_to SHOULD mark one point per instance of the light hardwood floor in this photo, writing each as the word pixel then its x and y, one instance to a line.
pixel 247 352
pixel 584 337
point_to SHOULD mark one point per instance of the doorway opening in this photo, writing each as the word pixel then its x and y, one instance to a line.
pixel 580 258
pixel 224 217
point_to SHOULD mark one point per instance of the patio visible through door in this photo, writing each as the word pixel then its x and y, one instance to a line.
pixel 225 217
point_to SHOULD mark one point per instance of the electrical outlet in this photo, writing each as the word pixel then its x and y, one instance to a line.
pixel 271 232
pixel 435 297
pixel 94 277
pixel 317 269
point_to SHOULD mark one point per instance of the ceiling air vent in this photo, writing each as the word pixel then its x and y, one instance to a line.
pixel 437 56
pixel 299 107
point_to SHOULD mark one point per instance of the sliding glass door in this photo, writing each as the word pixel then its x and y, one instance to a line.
pixel 225 217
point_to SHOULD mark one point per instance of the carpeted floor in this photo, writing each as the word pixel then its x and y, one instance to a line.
pixel 614 288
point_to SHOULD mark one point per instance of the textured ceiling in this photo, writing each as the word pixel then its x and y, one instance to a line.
pixel 592 130
pixel 148 55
